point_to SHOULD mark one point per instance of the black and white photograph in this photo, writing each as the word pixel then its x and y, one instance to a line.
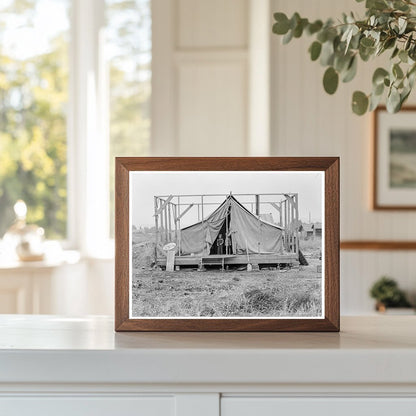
pixel 226 244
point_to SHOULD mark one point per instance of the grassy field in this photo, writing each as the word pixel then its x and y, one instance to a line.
pixel 233 293
pixel 212 293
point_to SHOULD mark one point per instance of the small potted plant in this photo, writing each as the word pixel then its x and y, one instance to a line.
pixel 387 294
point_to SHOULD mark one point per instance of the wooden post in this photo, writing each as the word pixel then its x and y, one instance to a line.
pixel 226 233
pixel 170 222
pixel 162 229
pixel 292 200
pixel 292 217
pixel 286 225
pixel 202 207
pixel 260 236
pixel 176 223
pixel 166 224
pixel 179 225
pixel 157 228
pixel 162 210
pixel 258 205
pixel 297 224
pixel 282 222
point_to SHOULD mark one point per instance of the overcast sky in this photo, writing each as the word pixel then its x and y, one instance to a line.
pixel 146 185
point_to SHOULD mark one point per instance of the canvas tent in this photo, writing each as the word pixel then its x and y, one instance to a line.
pixel 248 233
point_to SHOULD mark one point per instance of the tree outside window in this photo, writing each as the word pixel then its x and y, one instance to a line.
pixel 34 94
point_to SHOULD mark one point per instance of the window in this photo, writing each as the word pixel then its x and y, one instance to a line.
pixel 129 46
pixel 74 93
pixel 33 102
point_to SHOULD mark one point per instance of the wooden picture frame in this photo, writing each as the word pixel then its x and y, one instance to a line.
pixel 390 190
pixel 130 168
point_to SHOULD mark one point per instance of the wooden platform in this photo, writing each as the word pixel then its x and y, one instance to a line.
pixel 233 259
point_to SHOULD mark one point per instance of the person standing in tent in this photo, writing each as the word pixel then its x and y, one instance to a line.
pixel 228 243
pixel 220 244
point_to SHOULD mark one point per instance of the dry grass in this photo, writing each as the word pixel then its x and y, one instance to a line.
pixel 143 248
pixel 265 293
pixel 311 247
pixel 227 294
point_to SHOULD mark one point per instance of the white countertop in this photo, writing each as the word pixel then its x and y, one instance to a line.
pixel 53 349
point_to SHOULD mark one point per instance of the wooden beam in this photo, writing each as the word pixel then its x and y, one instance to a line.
pixel 278 207
pixel 184 212
pixel 257 205
pixel 297 223
pixel 157 227
pixel 162 228
pixel 170 221
pixel 164 204
pixel 289 196
pixel 274 205
pixel 165 213
pixel 176 223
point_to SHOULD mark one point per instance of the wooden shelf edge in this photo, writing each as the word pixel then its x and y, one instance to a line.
pixel 378 245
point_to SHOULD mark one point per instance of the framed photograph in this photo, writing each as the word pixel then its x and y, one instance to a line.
pixel 227 244
pixel 394 179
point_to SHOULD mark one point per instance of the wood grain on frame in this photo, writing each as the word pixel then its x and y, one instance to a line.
pixel 330 165
pixel 375 204
pixel 378 245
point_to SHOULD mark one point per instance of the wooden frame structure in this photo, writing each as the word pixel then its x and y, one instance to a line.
pixel 123 295
pixel 169 210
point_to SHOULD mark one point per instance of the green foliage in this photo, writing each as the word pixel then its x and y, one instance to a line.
pixel 282 25
pixel 389 26
pixel 33 99
pixel 387 292
pixel 315 50
pixel 359 103
pixel 330 80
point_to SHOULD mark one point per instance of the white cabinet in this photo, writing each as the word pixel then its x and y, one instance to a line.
pixel 79 366
pixel 271 406
pixel 88 406
pixel 202 405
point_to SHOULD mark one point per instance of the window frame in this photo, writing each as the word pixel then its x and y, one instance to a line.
pixel 87 133
pixel 87 128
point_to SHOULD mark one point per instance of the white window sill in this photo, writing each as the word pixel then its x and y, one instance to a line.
pixel 55 256
pixel 7 262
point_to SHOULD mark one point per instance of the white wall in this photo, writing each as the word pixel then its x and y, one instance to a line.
pixel 215 73
pixel 308 122
pixel 201 83
pixel 211 92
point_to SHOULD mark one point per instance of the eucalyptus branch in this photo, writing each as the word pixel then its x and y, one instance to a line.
pixel 389 25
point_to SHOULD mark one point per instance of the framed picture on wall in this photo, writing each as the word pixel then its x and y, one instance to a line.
pixel 227 244
pixel 394 159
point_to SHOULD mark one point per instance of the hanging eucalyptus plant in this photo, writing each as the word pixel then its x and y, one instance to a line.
pixel 389 27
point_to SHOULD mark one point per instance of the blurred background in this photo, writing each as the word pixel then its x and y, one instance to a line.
pixel 83 81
